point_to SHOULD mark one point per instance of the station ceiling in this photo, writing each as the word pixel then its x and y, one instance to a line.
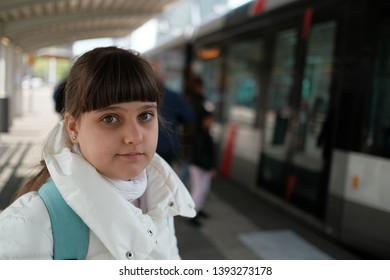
pixel 33 24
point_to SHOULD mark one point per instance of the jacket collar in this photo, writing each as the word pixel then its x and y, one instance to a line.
pixel 166 195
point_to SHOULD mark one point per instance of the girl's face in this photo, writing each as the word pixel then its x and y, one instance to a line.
pixel 119 140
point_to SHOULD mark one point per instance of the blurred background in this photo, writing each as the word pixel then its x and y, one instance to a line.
pixel 300 94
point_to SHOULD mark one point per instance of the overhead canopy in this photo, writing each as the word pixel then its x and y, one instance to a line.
pixel 33 24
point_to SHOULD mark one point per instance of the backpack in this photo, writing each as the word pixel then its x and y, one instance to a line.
pixel 70 233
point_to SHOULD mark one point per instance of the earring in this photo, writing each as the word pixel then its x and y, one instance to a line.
pixel 74 137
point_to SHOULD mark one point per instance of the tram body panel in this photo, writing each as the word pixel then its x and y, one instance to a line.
pixel 358 205
pixel 239 154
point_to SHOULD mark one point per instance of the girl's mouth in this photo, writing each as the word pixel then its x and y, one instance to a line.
pixel 132 156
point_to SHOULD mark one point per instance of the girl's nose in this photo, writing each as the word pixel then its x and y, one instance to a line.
pixel 133 135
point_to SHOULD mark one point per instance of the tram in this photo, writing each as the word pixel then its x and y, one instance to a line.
pixel 300 90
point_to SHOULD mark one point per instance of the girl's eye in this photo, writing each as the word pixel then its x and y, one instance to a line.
pixel 145 116
pixel 109 119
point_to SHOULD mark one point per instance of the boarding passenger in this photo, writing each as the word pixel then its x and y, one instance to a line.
pixel 202 166
pixel 196 98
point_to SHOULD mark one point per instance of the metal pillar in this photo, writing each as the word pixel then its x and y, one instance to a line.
pixel 4 114
pixel 4 103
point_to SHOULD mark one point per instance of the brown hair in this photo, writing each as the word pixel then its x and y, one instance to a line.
pixel 110 75
pixel 99 78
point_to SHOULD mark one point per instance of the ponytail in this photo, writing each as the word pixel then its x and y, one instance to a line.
pixel 35 182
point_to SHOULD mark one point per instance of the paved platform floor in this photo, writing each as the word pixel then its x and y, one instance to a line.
pixel 243 226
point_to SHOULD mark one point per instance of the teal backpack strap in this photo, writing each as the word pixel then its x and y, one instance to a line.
pixel 70 233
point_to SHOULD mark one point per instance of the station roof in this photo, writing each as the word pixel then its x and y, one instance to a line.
pixel 33 24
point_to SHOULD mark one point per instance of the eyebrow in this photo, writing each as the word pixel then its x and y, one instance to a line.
pixel 149 106
pixel 118 108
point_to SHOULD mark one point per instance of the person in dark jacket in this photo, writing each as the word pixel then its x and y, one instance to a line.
pixel 175 112
pixel 202 165
pixel 195 96
pixel 59 96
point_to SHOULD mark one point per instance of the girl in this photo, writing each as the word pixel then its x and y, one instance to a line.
pixel 102 159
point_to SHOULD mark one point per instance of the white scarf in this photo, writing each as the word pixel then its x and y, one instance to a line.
pixel 131 190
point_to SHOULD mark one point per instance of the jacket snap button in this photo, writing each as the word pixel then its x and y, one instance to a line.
pixel 150 232
pixel 129 255
pixel 171 203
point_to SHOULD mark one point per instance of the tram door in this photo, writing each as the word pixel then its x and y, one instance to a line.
pixel 296 146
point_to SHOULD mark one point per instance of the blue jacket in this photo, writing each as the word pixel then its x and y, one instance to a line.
pixel 175 112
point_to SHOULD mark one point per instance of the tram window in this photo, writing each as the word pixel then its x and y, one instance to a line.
pixel 378 136
pixel 243 76
pixel 315 89
pixel 281 81
pixel 171 64
pixel 209 66
pixel 291 151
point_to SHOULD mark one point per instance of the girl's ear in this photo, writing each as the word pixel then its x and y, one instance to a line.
pixel 71 127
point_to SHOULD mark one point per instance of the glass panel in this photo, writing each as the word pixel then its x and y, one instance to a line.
pixel 173 68
pixel 171 64
pixel 209 67
pixel 278 111
pixel 311 145
pixel 378 132
pixel 243 89
pixel 315 90
pixel 278 107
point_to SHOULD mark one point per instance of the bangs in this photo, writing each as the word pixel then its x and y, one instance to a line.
pixel 114 76
pixel 120 79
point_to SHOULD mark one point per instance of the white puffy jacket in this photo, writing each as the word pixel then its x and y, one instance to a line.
pixel 118 229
